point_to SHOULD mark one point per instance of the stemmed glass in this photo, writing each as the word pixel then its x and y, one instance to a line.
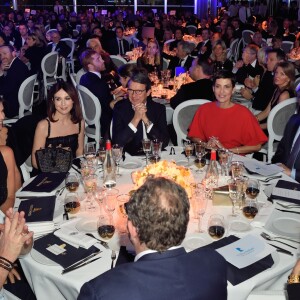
pixel 216 226
pixel 200 153
pixel 117 152
pixel 72 182
pixel 252 189
pixel 146 148
pixel 200 204
pixel 156 149
pixel 237 169
pixel 225 157
pixel 110 201
pixel 102 153
pixel 233 194
pixel 90 151
pixel 105 227
pixel 188 149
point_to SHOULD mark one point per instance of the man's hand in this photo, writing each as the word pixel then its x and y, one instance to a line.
pixel 246 93
pixel 238 64
pixel 13 275
pixel 286 170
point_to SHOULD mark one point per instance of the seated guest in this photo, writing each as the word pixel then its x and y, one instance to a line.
pixel 12 74
pixel 258 40
pixel 204 48
pixel 139 117
pixel 93 64
pixel 219 57
pixel 158 215
pixel 293 286
pixel 288 152
pixel 261 95
pixel 201 88
pixel 64 126
pixel 249 65
pixel 57 45
pixel 284 81
pixel 118 45
pixel 182 58
pixel 151 59
pixel 178 35
pixel 233 124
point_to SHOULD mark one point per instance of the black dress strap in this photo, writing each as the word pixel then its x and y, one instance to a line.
pixel 49 128
pixel 79 127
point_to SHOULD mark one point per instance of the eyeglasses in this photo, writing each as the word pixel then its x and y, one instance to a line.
pixel 137 92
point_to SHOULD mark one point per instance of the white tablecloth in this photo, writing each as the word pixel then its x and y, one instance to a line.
pixel 48 283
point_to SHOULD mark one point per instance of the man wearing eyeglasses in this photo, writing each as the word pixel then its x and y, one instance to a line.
pixel 139 117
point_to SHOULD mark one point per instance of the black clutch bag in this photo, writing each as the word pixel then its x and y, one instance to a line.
pixel 54 159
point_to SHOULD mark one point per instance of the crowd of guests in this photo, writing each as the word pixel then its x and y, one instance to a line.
pixel 128 112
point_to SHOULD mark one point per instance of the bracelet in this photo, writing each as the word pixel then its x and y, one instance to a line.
pixel 293 279
pixel 6 264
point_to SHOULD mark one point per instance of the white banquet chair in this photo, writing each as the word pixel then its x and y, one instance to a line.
pixel 49 69
pixel 118 60
pixel 183 116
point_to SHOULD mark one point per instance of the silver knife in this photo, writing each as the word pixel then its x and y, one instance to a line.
pixel 279 249
pixel 100 241
pixel 79 266
pixel 289 211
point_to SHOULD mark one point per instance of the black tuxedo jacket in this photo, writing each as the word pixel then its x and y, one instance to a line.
pixel 100 89
pixel 265 91
pixel 62 48
pixel 10 84
pixel 174 62
pixel 246 71
pixel 208 51
pixel 285 146
pixel 123 134
pixel 200 89
pixel 113 46
pixel 173 274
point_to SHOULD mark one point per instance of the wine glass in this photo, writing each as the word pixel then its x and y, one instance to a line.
pixel 225 157
pixel 216 226
pixel 250 208
pixel 90 152
pixel 117 152
pixel 200 161
pixel 90 183
pixel 72 182
pixel 156 149
pixel 200 204
pixel 237 169
pixel 188 149
pixel 146 148
pixel 122 224
pixel 105 227
pixel 71 203
pixel 252 189
pixel 110 201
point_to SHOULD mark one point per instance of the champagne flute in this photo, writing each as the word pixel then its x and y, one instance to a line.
pixel 117 152
pixel 216 226
pixel 72 182
pixel 188 149
pixel 146 148
pixel 233 194
pixel 200 162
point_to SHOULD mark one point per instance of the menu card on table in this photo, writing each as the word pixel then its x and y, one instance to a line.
pixel 236 275
pixel 287 191
pixel 60 252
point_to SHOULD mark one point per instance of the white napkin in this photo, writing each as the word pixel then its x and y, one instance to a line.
pixel 41 228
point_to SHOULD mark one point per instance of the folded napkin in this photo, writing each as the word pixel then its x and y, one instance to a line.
pixel 69 254
pixel 75 238
pixel 45 183
pixel 286 191
pixel 256 167
pixel 236 275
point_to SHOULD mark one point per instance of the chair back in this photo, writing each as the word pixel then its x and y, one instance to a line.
pixel 247 37
pixel 79 74
pixel 49 64
pixel 118 60
pixel 183 116
pixel 287 46
pixel 277 119
pixel 234 49
pixel 165 63
pixel 191 29
pixel 169 41
pixel 75 33
pixel 91 110
pixel 25 95
pixel 71 44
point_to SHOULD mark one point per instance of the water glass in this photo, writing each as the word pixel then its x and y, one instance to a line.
pixel 110 201
pixel 225 157
pixel 90 152
pixel 146 148
pixel 188 149
pixel 237 169
pixel 156 149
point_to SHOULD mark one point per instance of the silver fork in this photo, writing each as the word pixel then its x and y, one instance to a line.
pixel 269 238
pixel 289 205
pixel 113 258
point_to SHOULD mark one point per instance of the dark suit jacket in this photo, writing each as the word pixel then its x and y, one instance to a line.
pixel 10 84
pixel 293 291
pixel 285 146
pixel 201 89
pixel 246 71
pixel 174 62
pixel 265 91
pixel 100 89
pixel 208 51
pixel 62 48
pixel 113 46
pixel 123 134
pixel 174 274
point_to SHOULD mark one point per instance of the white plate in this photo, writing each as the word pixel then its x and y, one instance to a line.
pixel 287 226
pixel 182 163
pixel 196 240
pixel 86 225
pixel 131 164
pixel 239 225
pixel 42 259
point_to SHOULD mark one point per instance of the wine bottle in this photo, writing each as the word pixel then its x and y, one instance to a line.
pixel 212 175
pixel 109 168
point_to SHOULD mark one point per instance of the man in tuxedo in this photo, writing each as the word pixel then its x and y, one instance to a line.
pixel 118 45
pixel 288 152
pixel 260 95
pixel 204 48
pixel 248 67
pixel 201 72
pixel 139 117
pixel 182 58
pixel 158 215
pixel 21 40
pixel 57 45
pixel 12 73
pixel 93 64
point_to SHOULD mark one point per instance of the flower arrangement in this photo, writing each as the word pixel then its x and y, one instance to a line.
pixel 170 170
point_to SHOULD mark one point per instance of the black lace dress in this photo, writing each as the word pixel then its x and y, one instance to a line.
pixel 3 180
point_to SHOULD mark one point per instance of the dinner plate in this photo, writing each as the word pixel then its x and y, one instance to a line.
pixel 196 240
pixel 131 164
pixel 182 163
pixel 42 259
pixel 239 225
pixel 86 225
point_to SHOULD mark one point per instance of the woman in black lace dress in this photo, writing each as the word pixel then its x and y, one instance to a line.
pixel 64 126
